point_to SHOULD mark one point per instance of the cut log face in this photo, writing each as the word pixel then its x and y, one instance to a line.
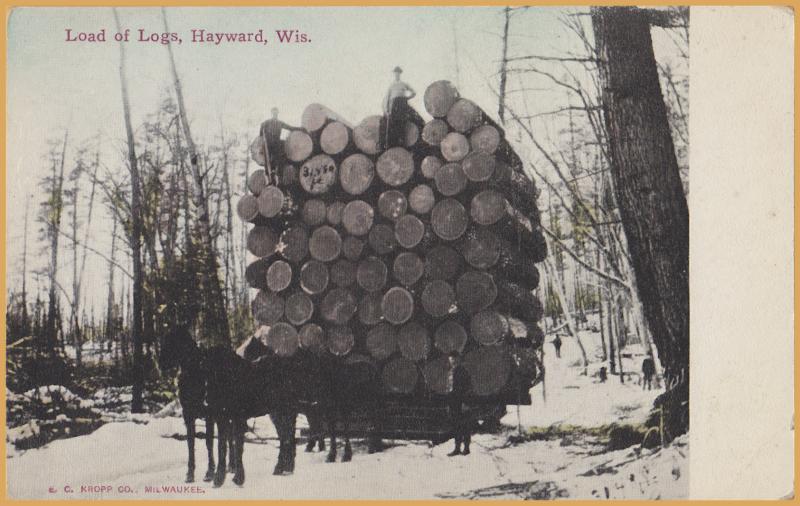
pixel 314 212
pixel 382 341
pixel 450 179
pixel 413 341
pixel 438 298
pixel 256 274
pixel 421 199
pixel 411 134
pixel 450 336
pixel 257 152
pixel 357 217
pixel 316 116
pixel 343 273
pixel 318 174
pixel 382 239
pixel 436 374
pixel 481 248
pixel 464 115
pixel 279 276
pixel 408 231
pixel 435 131
pixel 367 135
pixel 298 146
pixel 479 166
pixel 449 219
pixel 488 327
pixel 356 174
pixel 442 262
pixel 334 213
pixel 270 201
pixel 247 208
pixel 488 207
pixel 369 309
pixel 392 204
pixel 311 337
pixel 454 147
pixel 257 181
pixel 299 308
pixel 400 376
pixel 352 247
pixel 314 277
pixel 325 244
pixel 430 164
pixel 282 338
pixel 293 245
pixel 397 305
pixel 267 307
pixel 340 340
pixel 338 306
pixel 408 268
pixel 261 241
pixel 518 300
pixel 371 274
pixel 485 139
pixel 334 138
pixel 489 368
pixel 439 98
pixel 475 291
pixel 395 166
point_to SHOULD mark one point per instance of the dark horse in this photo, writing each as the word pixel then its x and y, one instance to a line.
pixel 237 389
pixel 341 386
pixel 191 394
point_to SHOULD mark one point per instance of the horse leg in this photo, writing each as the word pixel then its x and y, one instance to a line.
pixel 332 432
pixel 233 447
pixel 348 451
pixel 280 429
pixel 239 429
pixel 313 429
pixel 292 427
pixel 210 448
pixel 188 420
pixel 222 442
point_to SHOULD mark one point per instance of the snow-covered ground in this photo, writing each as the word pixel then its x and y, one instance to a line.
pixel 143 459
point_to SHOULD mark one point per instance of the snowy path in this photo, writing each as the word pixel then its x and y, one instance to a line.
pixel 136 460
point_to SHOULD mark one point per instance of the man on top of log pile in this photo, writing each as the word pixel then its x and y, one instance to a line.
pixel 397 111
pixel 270 133
pixel 457 387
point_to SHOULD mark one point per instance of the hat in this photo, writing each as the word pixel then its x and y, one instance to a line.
pixel 397 69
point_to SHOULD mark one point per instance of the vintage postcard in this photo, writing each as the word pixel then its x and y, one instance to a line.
pixel 392 253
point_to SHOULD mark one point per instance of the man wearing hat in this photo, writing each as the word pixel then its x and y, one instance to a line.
pixel 397 111
pixel 458 385
pixel 270 132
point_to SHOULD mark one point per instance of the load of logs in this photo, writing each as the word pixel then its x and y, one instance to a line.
pixel 399 256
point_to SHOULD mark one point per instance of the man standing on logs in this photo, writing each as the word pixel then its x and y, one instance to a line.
pixel 273 146
pixel 397 111
pixel 457 387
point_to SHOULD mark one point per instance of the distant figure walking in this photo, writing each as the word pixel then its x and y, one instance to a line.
pixel 648 372
pixel 457 387
pixel 603 374
pixel 270 133
pixel 397 111
pixel 557 345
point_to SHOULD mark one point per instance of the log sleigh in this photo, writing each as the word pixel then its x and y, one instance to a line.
pixel 401 254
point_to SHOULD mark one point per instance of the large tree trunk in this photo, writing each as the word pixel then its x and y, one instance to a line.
pixel 216 320
pixel 135 237
pixel 648 188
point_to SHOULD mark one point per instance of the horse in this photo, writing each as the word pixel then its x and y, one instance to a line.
pixel 252 349
pixel 189 358
pixel 238 389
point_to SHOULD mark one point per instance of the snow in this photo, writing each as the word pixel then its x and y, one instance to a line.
pixel 135 456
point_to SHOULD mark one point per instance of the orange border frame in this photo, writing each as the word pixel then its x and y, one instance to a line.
pixel 8 5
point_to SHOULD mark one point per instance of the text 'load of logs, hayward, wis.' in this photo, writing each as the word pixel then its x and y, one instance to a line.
pixel 399 256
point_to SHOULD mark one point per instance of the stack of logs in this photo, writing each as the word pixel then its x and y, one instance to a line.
pixel 400 256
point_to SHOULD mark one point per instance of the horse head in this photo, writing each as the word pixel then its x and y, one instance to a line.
pixel 176 344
